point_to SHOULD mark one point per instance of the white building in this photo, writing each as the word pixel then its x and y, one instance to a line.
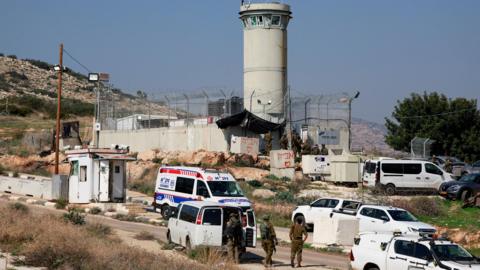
pixel 97 175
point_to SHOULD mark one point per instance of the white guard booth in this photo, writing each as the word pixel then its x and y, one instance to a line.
pixel 97 175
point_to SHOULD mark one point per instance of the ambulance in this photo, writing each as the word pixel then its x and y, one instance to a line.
pixel 175 185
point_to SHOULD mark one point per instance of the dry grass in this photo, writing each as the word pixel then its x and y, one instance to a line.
pixel 212 258
pixel 279 213
pixel 144 235
pixel 48 241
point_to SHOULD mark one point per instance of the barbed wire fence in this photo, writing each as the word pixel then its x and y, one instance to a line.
pixel 175 107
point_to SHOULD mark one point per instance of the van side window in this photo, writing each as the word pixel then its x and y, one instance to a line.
pixel 202 189
pixel 412 168
pixel 212 217
pixel 430 168
pixel 392 168
pixel 188 213
pixel 332 203
pixel 184 185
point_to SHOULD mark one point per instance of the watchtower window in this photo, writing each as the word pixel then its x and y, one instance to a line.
pixel 275 20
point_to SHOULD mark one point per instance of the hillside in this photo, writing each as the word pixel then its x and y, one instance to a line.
pixel 27 81
pixel 370 137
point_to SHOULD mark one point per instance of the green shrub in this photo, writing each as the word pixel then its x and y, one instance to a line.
pixel 123 217
pixel 20 207
pixel 285 196
pixel 12 56
pixel 16 77
pixel 74 217
pixel 421 206
pixel 95 211
pixel 272 177
pixel 255 183
pixel 40 64
pixel 61 203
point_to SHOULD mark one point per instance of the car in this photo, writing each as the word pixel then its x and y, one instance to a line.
pixel 396 251
pixel 466 187
pixel 176 184
pixel 203 223
pixel 321 208
pixel 377 218
pixel 474 167
pixel 392 176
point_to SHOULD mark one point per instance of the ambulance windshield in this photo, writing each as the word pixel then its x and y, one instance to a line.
pixel 225 189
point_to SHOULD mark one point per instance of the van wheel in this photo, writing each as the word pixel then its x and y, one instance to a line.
pixel 169 237
pixel 390 189
pixel 166 211
pixel 466 194
pixel 188 245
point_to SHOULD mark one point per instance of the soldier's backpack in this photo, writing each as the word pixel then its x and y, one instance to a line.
pixel 265 232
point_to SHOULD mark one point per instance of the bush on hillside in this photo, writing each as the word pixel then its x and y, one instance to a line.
pixel 420 206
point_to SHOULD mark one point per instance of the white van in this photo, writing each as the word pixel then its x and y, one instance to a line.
pixel 175 185
pixel 394 175
pixel 201 223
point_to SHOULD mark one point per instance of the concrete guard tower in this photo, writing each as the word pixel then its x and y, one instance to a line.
pixel 265 58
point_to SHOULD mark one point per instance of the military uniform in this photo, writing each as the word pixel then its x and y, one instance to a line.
pixel 269 240
pixel 234 237
pixel 324 150
pixel 448 166
pixel 297 231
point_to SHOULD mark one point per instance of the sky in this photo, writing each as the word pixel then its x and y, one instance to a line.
pixel 383 48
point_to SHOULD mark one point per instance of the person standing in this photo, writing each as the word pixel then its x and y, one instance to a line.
pixel 269 240
pixel 298 236
pixel 324 150
pixel 234 233
pixel 448 166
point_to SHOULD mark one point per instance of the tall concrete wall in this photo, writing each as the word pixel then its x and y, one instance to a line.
pixel 191 138
pixel 30 187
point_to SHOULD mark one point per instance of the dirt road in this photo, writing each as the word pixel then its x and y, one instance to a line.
pixel 314 260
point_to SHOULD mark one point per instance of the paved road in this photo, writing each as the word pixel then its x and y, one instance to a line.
pixel 281 257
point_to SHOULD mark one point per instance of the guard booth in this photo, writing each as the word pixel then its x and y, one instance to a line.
pixel 97 175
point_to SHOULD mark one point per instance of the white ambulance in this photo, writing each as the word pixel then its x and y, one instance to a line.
pixel 176 185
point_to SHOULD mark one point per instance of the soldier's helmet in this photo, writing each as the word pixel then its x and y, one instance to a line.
pixel 266 217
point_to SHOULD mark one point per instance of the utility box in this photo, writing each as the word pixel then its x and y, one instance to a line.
pixel 282 159
pixel 244 145
pixel 97 175
pixel 316 164
pixel 345 168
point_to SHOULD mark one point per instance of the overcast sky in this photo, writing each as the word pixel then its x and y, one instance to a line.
pixel 385 49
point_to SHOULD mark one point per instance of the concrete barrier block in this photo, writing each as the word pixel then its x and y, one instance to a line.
pixel 49 204
pixel 110 214
pixel 31 201
pixel 286 172
pixel 282 159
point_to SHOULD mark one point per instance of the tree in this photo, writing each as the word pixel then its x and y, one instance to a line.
pixel 453 124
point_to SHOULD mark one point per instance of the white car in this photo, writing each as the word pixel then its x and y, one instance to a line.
pixel 384 219
pixel 373 251
pixel 322 208
pixel 202 223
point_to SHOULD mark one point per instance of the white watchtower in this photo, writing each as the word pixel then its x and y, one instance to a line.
pixel 265 58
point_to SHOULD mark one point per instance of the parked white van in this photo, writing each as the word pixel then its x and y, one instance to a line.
pixel 175 185
pixel 201 223
pixel 395 175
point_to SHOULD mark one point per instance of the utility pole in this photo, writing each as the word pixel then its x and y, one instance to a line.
pixel 59 99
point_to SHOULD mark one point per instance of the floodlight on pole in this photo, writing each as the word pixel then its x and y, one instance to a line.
pixel 93 77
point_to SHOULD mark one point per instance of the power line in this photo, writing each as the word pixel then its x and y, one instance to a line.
pixel 78 62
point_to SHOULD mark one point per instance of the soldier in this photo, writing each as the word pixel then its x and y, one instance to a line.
pixel 306 148
pixel 284 141
pixel 448 166
pixel 434 159
pixel 324 150
pixel 269 240
pixel 315 150
pixel 297 231
pixel 268 142
pixel 234 233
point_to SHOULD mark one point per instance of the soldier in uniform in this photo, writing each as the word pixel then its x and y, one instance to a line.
pixel 234 233
pixel 434 159
pixel 315 150
pixel 269 239
pixel 284 141
pixel 306 148
pixel 448 166
pixel 324 150
pixel 297 233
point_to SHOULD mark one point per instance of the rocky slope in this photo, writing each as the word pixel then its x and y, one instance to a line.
pixel 32 77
